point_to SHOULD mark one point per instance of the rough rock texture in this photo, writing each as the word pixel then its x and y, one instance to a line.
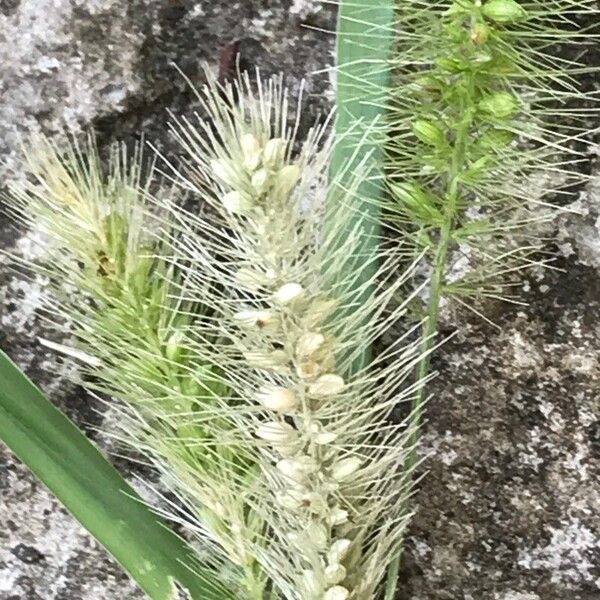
pixel 509 509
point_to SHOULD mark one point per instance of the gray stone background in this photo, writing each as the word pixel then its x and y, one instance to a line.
pixel 510 507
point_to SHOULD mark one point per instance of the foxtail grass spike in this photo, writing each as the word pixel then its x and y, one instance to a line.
pixel 485 140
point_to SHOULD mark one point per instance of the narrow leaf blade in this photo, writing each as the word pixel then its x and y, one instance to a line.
pixel 365 38
pixel 58 453
pixel 364 44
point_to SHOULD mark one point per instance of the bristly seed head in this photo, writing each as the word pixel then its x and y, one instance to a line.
pixel 250 403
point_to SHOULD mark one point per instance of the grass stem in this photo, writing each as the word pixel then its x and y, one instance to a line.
pixel 440 261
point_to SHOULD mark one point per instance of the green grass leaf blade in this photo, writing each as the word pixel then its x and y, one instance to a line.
pixel 58 453
pixel 364 42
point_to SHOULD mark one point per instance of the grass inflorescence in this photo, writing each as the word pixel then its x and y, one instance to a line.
pixel 485 138
pixel 231 336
